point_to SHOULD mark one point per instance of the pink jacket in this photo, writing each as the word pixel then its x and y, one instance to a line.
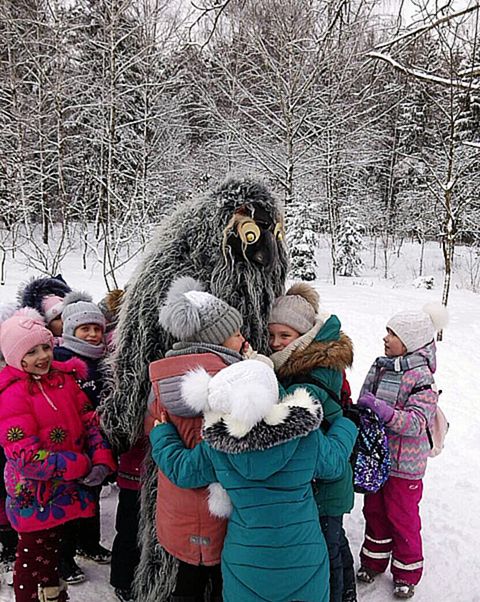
pixel 51 439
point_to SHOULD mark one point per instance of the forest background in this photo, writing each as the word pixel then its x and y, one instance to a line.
pixel 114 111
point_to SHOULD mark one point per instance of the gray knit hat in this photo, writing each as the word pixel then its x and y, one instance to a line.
pixel 79 309
pixel 297 308
pixel 191 314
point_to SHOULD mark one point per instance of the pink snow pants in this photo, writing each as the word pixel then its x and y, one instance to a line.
pixel 393 529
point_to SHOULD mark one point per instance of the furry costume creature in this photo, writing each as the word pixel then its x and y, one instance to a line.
pixel 232 241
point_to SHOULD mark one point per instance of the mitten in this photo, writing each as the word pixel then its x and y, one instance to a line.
pixel 380 407
pixel 96 476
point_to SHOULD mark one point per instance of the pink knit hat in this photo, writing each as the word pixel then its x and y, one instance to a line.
pixel 52 307
pixel 20 333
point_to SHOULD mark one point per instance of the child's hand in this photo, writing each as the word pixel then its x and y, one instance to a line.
pixel 380 407
pixel 163 419
pixel 247 351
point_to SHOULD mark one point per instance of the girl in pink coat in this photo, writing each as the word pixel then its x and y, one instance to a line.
pixel 54 449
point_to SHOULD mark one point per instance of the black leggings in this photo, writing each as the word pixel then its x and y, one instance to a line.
pixel 192 580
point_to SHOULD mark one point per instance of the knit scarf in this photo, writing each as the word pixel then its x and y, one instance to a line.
pixel 185 348
pixel 80 347
pixel 389 372
pixel 280 357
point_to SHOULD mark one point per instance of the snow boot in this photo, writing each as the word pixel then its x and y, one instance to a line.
pixel 53 593
pixel 403 590
pixel 366 575
pixel 349 595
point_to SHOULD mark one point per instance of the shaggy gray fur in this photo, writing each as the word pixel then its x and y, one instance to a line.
pixel 188 243
pixel 299 423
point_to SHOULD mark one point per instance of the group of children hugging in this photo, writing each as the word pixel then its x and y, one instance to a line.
pixel 254 477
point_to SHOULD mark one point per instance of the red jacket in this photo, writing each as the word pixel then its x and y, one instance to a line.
pixel 51 439
pixel 185 527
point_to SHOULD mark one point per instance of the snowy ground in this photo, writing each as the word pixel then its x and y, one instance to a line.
pixel 450 508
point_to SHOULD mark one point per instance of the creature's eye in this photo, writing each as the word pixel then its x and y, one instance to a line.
pixel 279 232
pixel 249 232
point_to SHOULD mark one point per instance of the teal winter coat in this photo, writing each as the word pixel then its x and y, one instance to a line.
pixel 274 550
pixel 322 360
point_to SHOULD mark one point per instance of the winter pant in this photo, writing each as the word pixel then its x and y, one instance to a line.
pixel 125 550
pixel 393 529
pixel 192 581
pixel 83 533
pixel 36 565
pixel 342 574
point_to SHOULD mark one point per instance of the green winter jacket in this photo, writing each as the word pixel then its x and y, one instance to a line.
pixel 324 359
pixel 274 549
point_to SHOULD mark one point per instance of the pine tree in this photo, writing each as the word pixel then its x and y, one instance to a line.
pixel 302 241
pixel 349 247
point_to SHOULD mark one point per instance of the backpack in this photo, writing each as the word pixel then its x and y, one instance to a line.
pixel 436 432
pixel 370 458
pixel 438 429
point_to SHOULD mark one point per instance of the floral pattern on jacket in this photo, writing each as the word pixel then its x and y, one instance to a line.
pixel 50 441
pixel 406 383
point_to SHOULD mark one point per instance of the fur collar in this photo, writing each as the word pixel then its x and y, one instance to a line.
pixel 336 355
pixel 296 415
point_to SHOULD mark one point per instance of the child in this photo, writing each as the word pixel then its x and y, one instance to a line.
pixel 83 337
pixel 53 448
pixel 46 296
pixel 265 454
pixel 401 390
pixel 208 333
pixel 310 351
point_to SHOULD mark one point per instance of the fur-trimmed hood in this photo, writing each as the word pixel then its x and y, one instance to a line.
pixel 336 355
pixel 295 416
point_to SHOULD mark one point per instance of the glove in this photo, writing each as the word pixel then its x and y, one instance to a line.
pixel 380 407
pixel 96 476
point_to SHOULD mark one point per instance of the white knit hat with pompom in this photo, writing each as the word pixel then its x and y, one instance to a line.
pixel 417 328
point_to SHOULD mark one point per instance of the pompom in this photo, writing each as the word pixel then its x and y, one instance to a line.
pixel 250 403
pixel 180 286
pixel 194 389
pixel 219 502
pixel 438 314
pixel 179 316
pixel 76 296
pixel 307 292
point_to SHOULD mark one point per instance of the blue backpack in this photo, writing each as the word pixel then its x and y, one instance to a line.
pixel 370 457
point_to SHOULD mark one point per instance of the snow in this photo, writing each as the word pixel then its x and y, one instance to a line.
pixel 450 511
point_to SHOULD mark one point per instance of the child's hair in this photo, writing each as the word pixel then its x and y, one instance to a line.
pixel 191 314
pixel 79 309
pixel 297 308
pixel 21 332
pixel 417 328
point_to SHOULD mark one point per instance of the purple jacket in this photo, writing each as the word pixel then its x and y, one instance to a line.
pixel 406 383
pixel 51 438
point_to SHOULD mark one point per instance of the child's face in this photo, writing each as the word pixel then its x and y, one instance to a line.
pixel 393 345
pixel 38 360
pixel 280 336
pixel 91 333
pixel 235 342
pixel 55 326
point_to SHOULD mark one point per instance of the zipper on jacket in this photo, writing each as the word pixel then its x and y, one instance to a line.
pixel 42 390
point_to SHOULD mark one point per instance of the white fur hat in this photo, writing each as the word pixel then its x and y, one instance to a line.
pixel 246 391
pixel 417 328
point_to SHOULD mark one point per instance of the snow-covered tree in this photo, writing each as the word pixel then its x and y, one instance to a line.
pixel 302 241
pixel 349 261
